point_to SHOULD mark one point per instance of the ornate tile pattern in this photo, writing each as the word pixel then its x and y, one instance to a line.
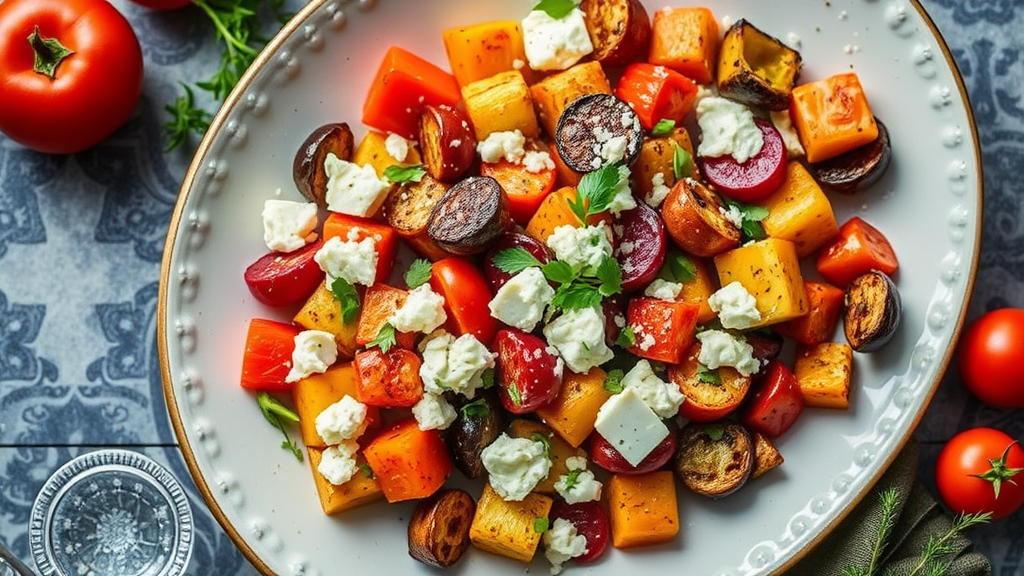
pixel 80 248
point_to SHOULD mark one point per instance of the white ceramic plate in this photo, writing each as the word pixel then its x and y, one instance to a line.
pixel 318 70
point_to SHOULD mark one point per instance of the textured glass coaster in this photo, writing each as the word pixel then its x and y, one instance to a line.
pixel 111 513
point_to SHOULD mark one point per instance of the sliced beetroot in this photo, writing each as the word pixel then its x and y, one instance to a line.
pixel 497 277
pixel 614 310
pixel 280 279
pixel 603 454
pixel 528 374
pixel 590 520
pixel 640 247
pixel 754 179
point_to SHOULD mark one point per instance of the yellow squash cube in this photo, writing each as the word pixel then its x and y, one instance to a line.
pixel 508 528
pixel 500 103
pixel 770 271
pixel 573 412
pixel 360 490
pixel 800 212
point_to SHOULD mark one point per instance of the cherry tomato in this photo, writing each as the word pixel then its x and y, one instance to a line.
pixel 608 457
pixel 80 97
pixel 991 355
pixel 278 279
pixel 528 374
pixel 977 471
pixel 590 520
pixel 163 4
pixel 466 295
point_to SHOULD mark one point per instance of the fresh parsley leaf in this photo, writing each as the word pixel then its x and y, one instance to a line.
pixel 404 174
pixel 185 119
pixel 385 338
pixel 682 162
pixel 538 437
pixel 752 216
pixel 277 413
pixel 487 378
pixel 418 273
pixel 714 431
pixel 595 192
pixel 540 525
pixel 572 478
pixel 576 296
pixel 627 337
pixel 610 275
pixel 679 268
pixel 663 127
pixel 558 271
pixel 366 470
pixel 478 408
pixel 613 380
pixel 346 295
pixel 709 375
pixel 514 395
pixel 514 260
pixel 557 9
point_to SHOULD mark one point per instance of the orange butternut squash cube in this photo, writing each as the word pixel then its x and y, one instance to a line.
pixel 697 290
pixel 554 211
pixel 800 212
pixel 321 311
pixel 832 116
pixel 360 490
pixel 554 93
pixel 482 50
pixel 559 450
pixel 507 528
pixel 409 463
pixel 573 412
pixel 685 40
pixel 500 103
pixel 373 151
pixel 770 271
pixel 316 392
pixel 379 303
pixel 642 509
pixel 823 374
pixel 824 307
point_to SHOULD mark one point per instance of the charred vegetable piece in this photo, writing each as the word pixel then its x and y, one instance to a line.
pixel 766 454
pixel 447 141
pixel 714 459
pixel 694 218
pixel 470 216
pixel 859 168
pixel 605 455
pixel 407 210
pixel 477 424
pixel 596 130
pixel 873 311
pixel 308 165
pixel 620 30
pixel 755 179
pixel 755 68
pixel 439 527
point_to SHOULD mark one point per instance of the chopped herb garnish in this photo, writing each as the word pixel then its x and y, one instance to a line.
pixel 752 216
pixel 277 414
pixel 663 127
pixel 682 162
pixel 572 478
pixel 515 260
pixel 557 9
pixel 404 174
pixel 487 378
pixel 558 271
pixel 595 192
pixel 709 375
pixel 714 431
pixel 418 273
pixel 478 408
pixel 385 338
pixel 610 274
pixel 538 437
pixel 346 295
pixel 540 525
pixel 514 395
pixel 613 380
pixel 678 268
pixel 366 470
pixel 627 337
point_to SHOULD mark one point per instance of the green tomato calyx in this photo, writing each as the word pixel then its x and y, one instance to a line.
pixel 49 53
pixel 999 472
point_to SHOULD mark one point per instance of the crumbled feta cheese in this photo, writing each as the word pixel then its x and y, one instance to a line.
pixel 732 214
pixel 662 397
pixel 353 189
pixel 507 145
pixel 356 262
pixel 315 351
pixel 451 363
pixel 343 420
pixel 623 198
pixel 790 138
pixel 422 311
pixel 727 129
pixel 288 225
pixel 608 146
pixel 433 412
pixel 555 44
pixel 736 308
pixel 397 147
pixel 579 485
pixel 659 191
pixel 538 161
pixel 578 335
pixel 515 465
pixel 720 348
pixel 562 543
pixel 583 248
pixel 630 426
pixel 521 301
pixel 338 463
pixel 663 289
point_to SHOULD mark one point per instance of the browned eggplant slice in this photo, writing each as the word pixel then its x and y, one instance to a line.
pixel 596 130
pixel 620 30
pixel 470 215
pixel 859 168
pixel 308 164
pixel 477 424
pixel 447 141
pixel 439 527
pixel 873 311
pixel 714 459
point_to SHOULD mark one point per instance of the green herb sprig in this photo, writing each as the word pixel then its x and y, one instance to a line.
pixel 557 9
pixel 345 293
pixel 278 414
pixel 577 289
pixel 595 192
pixel 752 216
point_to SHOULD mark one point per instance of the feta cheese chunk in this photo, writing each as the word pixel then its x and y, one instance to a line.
pixel 630 426
pixel 720 348
pixel 664 398
pixel 515 465
pixel 537 161
pixel 659 191
pixel 578 335
pixel 356 262
pixel 663 289
pixel 583 248
pixel 315 351
pixel 433 412
pixel 422 311
pixel 353 189
pixel 451 363
pixel 555 44
pixel 521 301
pixel 288 225
pixel 579 485
pixel 338 463
pixel 562 543
pixel 623 198
pixel 736 308
pixel 397 147
pixel 343 420
pixel 783 122
pixel 727 129
pixel 502 145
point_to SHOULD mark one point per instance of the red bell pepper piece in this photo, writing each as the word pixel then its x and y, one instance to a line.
pixel 385 238
pixel 268 355
pixel 776 403
pixel 388 379
pixel 656 93
pixel 663 329
pixel 466 296
pixel 859 248
pixel 403 85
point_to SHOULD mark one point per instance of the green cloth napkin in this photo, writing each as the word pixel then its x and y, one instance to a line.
pixel 920 517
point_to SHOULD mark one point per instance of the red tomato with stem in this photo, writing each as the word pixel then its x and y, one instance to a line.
pixel 70 73
pixel 990 356
pixel 162 4
pixel 978 471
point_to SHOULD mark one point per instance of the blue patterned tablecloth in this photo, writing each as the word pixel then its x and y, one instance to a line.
pixel 81 238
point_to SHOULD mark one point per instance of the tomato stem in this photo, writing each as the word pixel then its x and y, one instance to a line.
pixel 999 473
pixel 49 53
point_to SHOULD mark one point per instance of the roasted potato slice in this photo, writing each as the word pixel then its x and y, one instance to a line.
pixel 694 217
pixel 755 68
pixel 439 527
pixel 470 215
pixel 308 164
pixel 714 459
